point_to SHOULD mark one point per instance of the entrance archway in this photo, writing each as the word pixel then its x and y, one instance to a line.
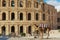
pixel 12 16
pixel 29 29
pixel 21 29
pixel 21 16
pixel 3 16
pixel 29 16
pixel 3 30
pixel 13 29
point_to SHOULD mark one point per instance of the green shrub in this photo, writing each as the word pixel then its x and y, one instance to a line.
pixel 0 34
pixel 23 34
pixel 59 30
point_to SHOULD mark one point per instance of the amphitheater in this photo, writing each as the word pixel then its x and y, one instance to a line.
pixel 19 16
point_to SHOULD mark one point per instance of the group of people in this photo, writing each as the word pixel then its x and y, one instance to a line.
pixel 43 30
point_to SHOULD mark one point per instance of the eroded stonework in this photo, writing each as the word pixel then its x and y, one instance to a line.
pixel 21 16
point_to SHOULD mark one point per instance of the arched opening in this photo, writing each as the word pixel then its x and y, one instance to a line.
pixel 28 4
pixel 3 3
pixel 21 16
pixel 36 5
pixel 43 17
pixel 12 3
pixel 3 30
pixel 37 16
pixel 21 29
pixel 29 29
pixel 29 16
pixel 12 16
pixel 3 16
pixel 13 29
pixel 21 3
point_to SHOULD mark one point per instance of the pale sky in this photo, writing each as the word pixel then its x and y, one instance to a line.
pixel 55 3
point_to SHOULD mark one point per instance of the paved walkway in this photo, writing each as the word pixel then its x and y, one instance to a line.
pixel 25 38
pixel 54 35
pixel 31 39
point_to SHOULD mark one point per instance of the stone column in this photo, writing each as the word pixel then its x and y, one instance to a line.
pixel 0 30
pixel 16 3
pixel 24 3
pixel 46 16
pixel 1 3
pixel 7 15
pixel 10 28
pixel 32 16
pixel 18 15
pixel 0 15
pixel 7 30
pixel 10 14
pixel 32 5
pixel 33 29
pixel 24 29
pixel 15 15
pixel 41 16
pixel 10 3
pixel 7 3
pixel 16 29
pixel 24 16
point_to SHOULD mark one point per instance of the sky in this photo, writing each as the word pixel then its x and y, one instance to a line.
pixel 55 3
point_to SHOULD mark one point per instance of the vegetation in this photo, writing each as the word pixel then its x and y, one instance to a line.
pixel 23 34
pixel 0 34
pixel 59 30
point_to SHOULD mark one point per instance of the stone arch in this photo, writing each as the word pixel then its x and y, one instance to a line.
pixel 12 29
pixel 29 16
pixel 29 29
pixel 43 17
pixel 12 16
pixel 4 16
pixel 21 3
pixel 21 29
pixel 21 16
pixel 3 3
pixel 12 3
pixel 3 30
pixel 37 16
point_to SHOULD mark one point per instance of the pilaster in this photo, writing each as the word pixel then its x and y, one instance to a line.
pixel 25 29
pixel 1 3
pixel 7 30
pixel 32 16
pixel 24 16
pixel 16 15
pixel 0 30
pixel 7 15
pixel 16 29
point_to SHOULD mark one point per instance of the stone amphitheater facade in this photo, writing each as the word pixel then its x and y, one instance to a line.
pixel 20 16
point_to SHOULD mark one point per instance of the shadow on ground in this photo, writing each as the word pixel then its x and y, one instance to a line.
pixel 4 38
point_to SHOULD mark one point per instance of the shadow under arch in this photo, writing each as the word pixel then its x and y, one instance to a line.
pixel 29 29
pixel 3 30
